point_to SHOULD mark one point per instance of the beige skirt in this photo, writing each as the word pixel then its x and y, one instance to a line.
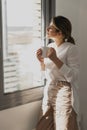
pixel 59 96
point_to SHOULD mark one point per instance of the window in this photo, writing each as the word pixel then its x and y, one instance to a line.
pixel 23 27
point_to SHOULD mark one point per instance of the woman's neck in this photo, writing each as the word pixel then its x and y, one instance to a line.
pixel 58 41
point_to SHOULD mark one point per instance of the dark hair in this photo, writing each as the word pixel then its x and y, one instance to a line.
pixel 64 25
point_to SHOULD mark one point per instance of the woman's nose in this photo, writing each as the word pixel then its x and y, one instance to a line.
pixel 48 28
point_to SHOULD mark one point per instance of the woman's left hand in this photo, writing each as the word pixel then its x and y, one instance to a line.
pixel 51 54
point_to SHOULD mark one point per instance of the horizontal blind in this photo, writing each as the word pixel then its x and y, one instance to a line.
pixel 11 75
pixel 11 62
pixel 37 18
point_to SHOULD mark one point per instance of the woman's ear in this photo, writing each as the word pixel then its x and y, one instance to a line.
pixel 59 33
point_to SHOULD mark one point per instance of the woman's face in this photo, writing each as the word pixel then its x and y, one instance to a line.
pixel 54 33
pixel 51 31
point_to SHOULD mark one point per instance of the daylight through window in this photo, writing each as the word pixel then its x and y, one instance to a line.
pixel 21 38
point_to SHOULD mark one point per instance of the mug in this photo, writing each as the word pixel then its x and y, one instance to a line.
pixel 44 51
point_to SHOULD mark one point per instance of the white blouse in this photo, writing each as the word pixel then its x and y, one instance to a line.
pixel 68 54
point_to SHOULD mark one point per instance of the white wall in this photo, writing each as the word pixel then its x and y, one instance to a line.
pixel 83 50
pixel 24 117
pixel 76 11
pixel 70 9
pixel 20 118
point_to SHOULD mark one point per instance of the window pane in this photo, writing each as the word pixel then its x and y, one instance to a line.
pixel 21 39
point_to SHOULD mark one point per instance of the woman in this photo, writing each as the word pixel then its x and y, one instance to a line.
pixel 62 68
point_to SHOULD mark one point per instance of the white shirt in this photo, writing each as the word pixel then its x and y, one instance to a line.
pixel 68 54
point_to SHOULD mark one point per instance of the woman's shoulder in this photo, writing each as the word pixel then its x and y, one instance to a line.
pixel 52 44
pixel 72 48
pixel 66 45
pixel 70 45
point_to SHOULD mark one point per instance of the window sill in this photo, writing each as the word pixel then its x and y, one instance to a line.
pixel 20 97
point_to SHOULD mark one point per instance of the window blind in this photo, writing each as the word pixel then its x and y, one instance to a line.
pixel 20 35
pixel 37 18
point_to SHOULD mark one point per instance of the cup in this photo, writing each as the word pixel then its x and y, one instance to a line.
pixel 44 51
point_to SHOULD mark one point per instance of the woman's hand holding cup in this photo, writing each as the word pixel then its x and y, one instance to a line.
pixel 39 55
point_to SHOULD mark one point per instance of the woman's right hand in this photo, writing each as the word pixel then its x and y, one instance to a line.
pixel 39 55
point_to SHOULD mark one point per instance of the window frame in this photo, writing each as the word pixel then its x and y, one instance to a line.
pixel 21 97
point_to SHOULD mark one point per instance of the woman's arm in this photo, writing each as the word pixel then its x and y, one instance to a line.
pixel 42 66
pixel 40 58
pixel 52 55
pixel 71 69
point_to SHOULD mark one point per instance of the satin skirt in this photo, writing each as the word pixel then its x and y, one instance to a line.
pixel 59 96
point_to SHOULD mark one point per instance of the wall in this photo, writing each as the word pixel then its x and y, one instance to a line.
pixel 83 53
pixel 20 118
pixel 76 11
pixel 70 9
pixel 25 117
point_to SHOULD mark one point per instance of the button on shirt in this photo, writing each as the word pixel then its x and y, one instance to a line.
pixel 68 54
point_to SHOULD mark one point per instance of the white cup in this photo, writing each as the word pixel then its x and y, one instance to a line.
pixel 44 51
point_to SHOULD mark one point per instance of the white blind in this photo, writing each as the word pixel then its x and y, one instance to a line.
pixel 21 36
pixel 11 79
pixel 37 18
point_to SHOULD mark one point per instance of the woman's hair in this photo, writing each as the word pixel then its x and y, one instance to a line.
pixel 64 25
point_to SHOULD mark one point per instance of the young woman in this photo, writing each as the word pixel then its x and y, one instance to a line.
pixel 62 69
